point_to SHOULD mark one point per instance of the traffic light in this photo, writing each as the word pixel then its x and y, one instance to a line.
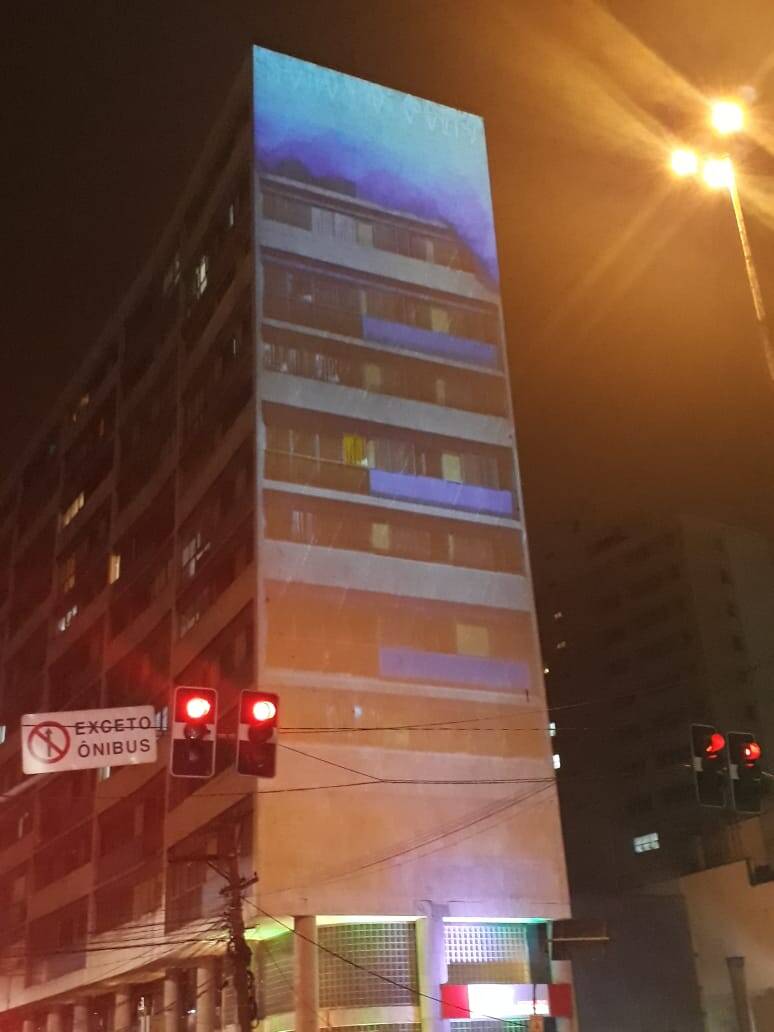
pixel 257 734
pixel 744 754
pixel 195 715
pixel 710 764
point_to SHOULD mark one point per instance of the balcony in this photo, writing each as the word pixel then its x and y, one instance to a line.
pixel 435 491
pixel 406 664
pixel 429 342
pixel 300 469
pixel 306 313
pixel 341 476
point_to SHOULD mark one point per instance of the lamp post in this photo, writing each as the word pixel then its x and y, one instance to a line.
pixel 727 118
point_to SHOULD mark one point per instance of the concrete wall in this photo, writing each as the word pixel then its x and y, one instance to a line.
pixel 731 918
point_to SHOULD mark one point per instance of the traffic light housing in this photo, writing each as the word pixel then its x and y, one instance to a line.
pixel 745 764
pixel 709 753
pixel 257 734
pixel 194 726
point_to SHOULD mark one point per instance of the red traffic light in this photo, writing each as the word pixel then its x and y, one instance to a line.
pixel 263 710
pixel 715 744
pixel 751 751
pixel 197 707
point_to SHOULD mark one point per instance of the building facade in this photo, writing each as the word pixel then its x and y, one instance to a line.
pixel 647 629
pixel 289 462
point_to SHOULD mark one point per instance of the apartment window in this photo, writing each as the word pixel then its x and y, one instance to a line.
pixel 161 718
pixel 114 567
pixel 73 509
pixel 440 391
pixel 561 645
pixel 201 276
pixel 365 234
pixel 551 723
pixel 103 773
pixel 472 640
pixel 354 448
pixel 380 536
pixel 68 574
pixel 172 274
pixel 3 733
pixel 64 621
pixel 451 467
pixel 372 376
pixel 193 553
pixel 231 216
pixel 557 761
pixel 646 843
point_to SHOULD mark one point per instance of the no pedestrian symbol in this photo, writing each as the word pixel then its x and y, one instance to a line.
pixel 48 742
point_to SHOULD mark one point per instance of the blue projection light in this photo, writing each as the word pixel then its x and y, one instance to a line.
pixel 391 148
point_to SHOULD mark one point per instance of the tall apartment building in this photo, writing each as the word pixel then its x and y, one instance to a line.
pixel 288 462
pixel 646 629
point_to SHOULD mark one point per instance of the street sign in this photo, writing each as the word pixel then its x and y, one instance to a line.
pixel 79 739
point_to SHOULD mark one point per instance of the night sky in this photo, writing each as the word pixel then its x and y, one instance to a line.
pixel 637 378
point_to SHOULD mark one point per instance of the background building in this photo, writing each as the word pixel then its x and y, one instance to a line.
pixel 646 629
pixel 288 461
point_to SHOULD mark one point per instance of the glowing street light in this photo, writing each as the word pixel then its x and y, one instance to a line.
pixel 727 117
pixel 718 173
pixel 685 162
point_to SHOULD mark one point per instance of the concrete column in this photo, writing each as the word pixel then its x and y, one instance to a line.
pixel 431 968
pixel 122 1010
pixel 80 1016
pixel 307 1002
pixel 54 1020
pixel 561 971
pixel 738 978
pixel 205 995
pixel 171 1003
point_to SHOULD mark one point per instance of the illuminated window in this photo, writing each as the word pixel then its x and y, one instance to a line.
pixel 561 645
pixel 201 275
pixel 103 773
pixel 380 536
pixel 451 467
pixel 114 567
pixel 557 761
pixel 231 216
pixel 546 670
pixel 646 843
pixel 64 621
pixel 161 718
pixel 354 447
pixel 193 552
pixel 472 640
pixel 172 274
pixel 558 615
pixel 440 320
pixel 73 509
pixel 83 403
pixel 68 574
pixel 552 728
pixel 3 733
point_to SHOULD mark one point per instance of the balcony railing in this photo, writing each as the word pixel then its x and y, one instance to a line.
pixel 307 313
pixel 340 476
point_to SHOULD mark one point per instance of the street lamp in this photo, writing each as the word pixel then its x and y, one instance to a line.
pixel 727 117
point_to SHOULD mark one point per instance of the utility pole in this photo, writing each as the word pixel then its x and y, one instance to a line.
pixel 238 951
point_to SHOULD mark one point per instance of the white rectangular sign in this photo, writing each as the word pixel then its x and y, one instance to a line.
pixel 78 739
